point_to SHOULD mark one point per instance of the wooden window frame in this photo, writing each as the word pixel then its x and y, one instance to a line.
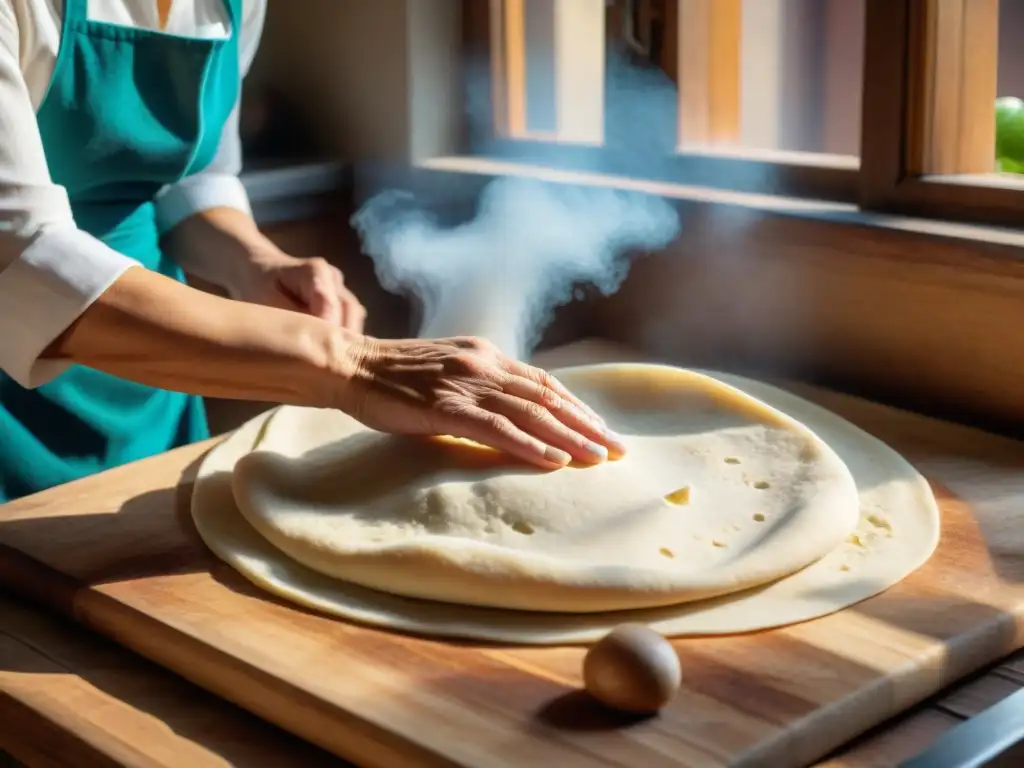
pixel 790 174
pixel 899 34
pixel 907 126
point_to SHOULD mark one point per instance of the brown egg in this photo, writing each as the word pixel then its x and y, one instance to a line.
pixel 633 669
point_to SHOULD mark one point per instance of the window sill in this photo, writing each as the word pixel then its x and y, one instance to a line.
pixel 825 210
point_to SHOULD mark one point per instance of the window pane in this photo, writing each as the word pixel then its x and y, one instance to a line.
pixel 801 75
pixel 795 80
pixel 681 74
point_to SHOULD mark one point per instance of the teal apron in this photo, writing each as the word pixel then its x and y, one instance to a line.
pixel 127 111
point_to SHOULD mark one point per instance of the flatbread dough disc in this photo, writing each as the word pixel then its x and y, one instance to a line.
pixel 717 493
pixel 897 532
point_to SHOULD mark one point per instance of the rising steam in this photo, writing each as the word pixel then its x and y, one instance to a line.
pixel 532 244
pixel 501 275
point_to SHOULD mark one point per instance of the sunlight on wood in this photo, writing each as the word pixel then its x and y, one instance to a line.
pixel 995 180
pixel 954 57
pixel 489 167
pixel 927 656
pixel 547 67
pixel 709 65
pixel 512 55
pixel 786 156
pixel 580 70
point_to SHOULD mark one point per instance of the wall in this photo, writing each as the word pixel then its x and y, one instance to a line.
pixel 372 78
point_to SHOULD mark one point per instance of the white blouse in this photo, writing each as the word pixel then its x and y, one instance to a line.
pixel 51 271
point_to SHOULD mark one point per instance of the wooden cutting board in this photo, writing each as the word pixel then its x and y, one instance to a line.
pixel 118 553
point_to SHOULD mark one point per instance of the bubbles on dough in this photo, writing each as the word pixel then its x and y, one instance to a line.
pixel 679 497
pixel 523 527
pixel 880 522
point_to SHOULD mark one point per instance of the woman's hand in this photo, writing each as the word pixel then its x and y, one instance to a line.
pixel 151 329
pixel 225 247
pixel 312 286
pixel 465 387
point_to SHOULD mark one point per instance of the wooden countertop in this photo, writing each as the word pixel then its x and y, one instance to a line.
pixel 70 693
pixel 71 698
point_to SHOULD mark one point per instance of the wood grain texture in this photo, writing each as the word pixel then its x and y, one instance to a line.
pixel 885 84
pixel 513 67
pixel 119 554
pixel 954 71
pixel 71 699
pixel 708 35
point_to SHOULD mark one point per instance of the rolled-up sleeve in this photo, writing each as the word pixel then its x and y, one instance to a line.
pixel 218 185
pixel 50 271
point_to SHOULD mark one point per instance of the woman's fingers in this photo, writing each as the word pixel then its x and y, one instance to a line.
pixel 353 314
pixel 499 432
pixel 319 290
pixel 540 421
pixel 567 410
pixel 546 380
pixel 466 388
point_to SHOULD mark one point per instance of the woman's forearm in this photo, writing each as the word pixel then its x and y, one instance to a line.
pixel 150 329
pixel 222 246
pixel 153 330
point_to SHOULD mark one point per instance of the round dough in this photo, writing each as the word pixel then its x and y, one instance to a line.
pixel 753 496
pixel 897 532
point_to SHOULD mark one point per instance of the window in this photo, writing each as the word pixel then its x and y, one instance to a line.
pixel 887 104
pixel 932 78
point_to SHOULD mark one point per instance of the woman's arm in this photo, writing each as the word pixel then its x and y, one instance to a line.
pixel 153 330
pixel 156 331
pixel 221 245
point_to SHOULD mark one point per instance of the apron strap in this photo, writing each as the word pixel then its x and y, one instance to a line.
pixel 77 10
pixel 234 14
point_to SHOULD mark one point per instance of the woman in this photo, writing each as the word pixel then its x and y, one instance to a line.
pixel 119 155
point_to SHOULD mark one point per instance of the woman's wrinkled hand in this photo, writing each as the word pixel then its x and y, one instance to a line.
pixel 465 387
pixel 313 286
